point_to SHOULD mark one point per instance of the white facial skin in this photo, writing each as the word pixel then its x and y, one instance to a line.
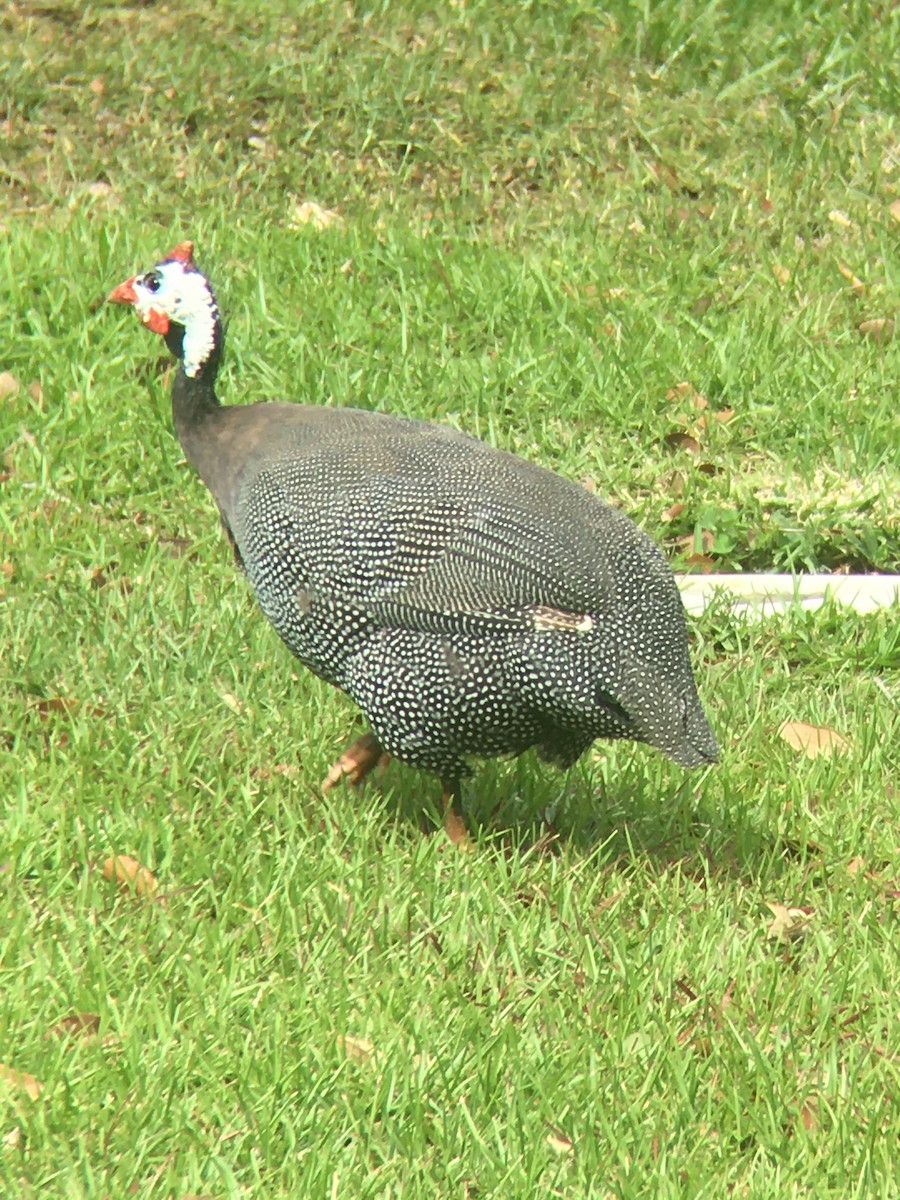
pixel 182 296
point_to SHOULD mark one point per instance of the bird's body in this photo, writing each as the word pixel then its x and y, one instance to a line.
pixel 472 603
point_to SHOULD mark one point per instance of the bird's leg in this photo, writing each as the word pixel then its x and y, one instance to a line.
pixel 358 760
pixel 454 822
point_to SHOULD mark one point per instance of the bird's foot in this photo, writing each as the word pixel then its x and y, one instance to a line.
pixel 357 762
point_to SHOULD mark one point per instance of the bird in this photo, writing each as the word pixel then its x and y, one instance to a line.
pixel 471 602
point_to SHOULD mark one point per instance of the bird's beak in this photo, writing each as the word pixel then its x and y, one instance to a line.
pixel 124 293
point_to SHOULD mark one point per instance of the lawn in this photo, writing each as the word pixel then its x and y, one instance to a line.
pixel 653 247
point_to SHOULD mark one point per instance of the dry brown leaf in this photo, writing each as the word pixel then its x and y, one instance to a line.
pixel 131 875
pixel 856 284
pixel 97 86
pixel 674 511
pixel 677 440
pixel 855 865
pixel 781 273
pixel 707 541
pixel 788 923
pixel 309 213
pixel 701 563
pixel 809 1115
pixel 67 704
pixel 878 329
pixel 75 1025
pixel 558 1142
pixel 12 1139
pixel 20 1081
pixel 231 701
pixel 813 740
pixel 895 209
pixel 60 704
pixel 359 1049
pixel 9 385
pixel 686 390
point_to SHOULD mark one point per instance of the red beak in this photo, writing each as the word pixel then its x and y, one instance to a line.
pixel 124 293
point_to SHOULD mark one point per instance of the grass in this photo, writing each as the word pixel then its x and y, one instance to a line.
pixel 551 218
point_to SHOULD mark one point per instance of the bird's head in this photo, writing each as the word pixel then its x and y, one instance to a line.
pixel 175 300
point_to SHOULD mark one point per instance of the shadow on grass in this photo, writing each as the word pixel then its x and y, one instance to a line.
pixel 643 813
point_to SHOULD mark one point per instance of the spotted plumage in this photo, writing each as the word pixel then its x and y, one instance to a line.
pixel 472 603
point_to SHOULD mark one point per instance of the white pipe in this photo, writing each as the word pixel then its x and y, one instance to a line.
pixel 762 595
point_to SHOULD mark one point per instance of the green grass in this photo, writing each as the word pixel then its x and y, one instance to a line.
pixel 552 215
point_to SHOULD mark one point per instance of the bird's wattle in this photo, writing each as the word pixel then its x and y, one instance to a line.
pixel 156 321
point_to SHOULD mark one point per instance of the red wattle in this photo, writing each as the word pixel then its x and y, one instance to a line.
pixel 157 321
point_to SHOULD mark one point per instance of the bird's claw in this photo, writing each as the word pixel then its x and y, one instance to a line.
pixel 356 763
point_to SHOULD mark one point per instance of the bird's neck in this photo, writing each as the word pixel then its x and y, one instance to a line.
pixel 194 399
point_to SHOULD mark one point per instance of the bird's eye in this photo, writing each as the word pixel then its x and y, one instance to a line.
pixel 151 281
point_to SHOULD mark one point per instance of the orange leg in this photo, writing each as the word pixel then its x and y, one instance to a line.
pixel 358 760
pixel 454 823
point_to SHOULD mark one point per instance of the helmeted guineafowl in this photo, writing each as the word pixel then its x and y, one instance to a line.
pixel 472 604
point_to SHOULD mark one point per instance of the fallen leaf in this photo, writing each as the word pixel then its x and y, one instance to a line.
pixel 788 923
pixel 97 86
pixel 676 440
pixel 782 274
pixel 686 390
pixel 359 1049
pixel 809 1115
pixel 60 704
pixel 689 541
pixel 130 874
pixel 813 740
pixel 879 329
pixel 76 1024
pixel 675 511
pixel 856 284
pixel 558 1142
pixel 7 569
pixel 855 865
pixel 9 385
pixel 701 563
pixel 12 1139
pixel 67 704
pixel 310 213
pixel 20 1081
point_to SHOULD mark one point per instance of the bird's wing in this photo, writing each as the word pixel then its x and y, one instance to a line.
pixel 438 558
